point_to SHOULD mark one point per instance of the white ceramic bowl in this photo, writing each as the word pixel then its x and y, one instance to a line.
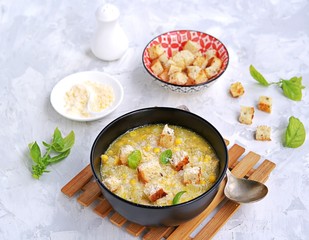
pixel 57 96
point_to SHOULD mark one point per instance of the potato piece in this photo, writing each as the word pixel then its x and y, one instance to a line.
pixel 157 67
pixel 155 51
pixel 191 46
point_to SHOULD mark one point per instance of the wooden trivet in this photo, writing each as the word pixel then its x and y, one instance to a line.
pixel 241 165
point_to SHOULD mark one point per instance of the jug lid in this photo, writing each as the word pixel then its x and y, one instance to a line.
pixel 107 13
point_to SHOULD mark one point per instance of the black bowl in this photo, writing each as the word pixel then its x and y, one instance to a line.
pixel 154 215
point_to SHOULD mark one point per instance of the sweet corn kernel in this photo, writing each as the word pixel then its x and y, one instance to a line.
pixel 207 158
pixel 110 152
pixel 132 134
pixel 133 181
pixel 156 150
pixel 212 178
pixel 178 141
pixel 104 158
pixel 176 149
pixel 202 182
pixel 147 148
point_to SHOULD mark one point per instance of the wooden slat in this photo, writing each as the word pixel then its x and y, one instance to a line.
pixel 135 229
pixel 117 219
pixel 246 164
pixel 92 193
pixel 156 233
pixel 169 232
pixel 77 182
pixel 234 153
pixel 103 208
pixel 230 207
pixel 184 230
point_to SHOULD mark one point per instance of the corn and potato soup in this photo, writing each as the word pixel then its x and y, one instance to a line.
pixel 159 165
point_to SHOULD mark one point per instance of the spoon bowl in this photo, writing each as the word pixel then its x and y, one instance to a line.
pixel 244 190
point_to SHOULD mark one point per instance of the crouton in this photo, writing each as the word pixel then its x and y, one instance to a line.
pixel 216 63
pixel 167 137
pixel 193 71
pixel 200 61
pixel 154 191
pixel 211 71
pixel 164 75
pixel 179 60
pixel 265 104
pixel 191 46
pixel 149 171
pixel 210 53
pixel 112 183
pixel 179 160
pixel 201 77
pixel 237 89
pixel 178 78
pixel 192 175
pixel 263 133
pixel 155 51
pixel 246 115
pixel 187 56
pixel 124 153
pixel 174 69
pixel 157 67
pixel 163 58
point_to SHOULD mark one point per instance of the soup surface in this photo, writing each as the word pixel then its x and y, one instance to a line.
pixel 159 165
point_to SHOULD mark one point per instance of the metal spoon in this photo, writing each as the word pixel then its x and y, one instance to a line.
pixel 243 190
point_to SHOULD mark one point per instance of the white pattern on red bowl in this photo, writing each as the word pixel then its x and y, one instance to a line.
pixel 174 41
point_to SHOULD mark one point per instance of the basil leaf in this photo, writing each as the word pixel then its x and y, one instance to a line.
pixel 59 157
pixel 68 141
pixel 134 159
pixel 258 76
pixel 295 134
pixel 165 156
pixel 35 152
pixel 177 197
pixel 292 88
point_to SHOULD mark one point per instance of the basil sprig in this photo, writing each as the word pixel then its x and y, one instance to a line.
pixel 292 88
pixel 56 151
pixel 295 133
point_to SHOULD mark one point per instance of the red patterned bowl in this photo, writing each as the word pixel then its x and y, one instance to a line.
pixel 175 41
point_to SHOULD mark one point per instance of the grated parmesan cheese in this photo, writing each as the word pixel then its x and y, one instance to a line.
pixel 87 97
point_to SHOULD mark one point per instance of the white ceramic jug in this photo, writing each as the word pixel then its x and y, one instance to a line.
pixel 110 42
